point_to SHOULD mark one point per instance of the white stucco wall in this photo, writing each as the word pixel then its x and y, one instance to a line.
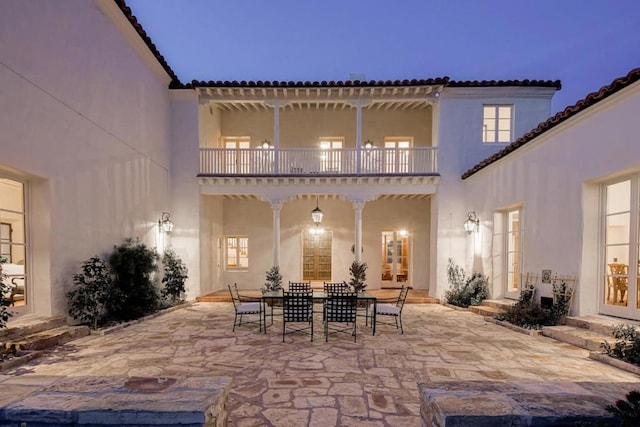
pixel 556 179
pixel 460 146
pixel 85 121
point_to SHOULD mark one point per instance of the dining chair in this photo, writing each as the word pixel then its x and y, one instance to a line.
pixel 391 308
pixel 340 309
pixel 245 306
pixel 335 287
pixel 618 282
pixel 297 308
pixel 299 286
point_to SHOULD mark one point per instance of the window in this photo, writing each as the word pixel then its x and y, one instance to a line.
pixel 513 249
pixel 496 123
pixel 397 154
pixel 237 252
pixel 13 237
pixel 330 156
pixel 5 241
pixel 238 154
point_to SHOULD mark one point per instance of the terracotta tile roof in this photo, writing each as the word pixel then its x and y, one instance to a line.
pixel 497 83
pixel 445 81
pixel 175 82
pixel 590 100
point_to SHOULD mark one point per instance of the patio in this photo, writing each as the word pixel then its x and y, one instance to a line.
pixel 369 383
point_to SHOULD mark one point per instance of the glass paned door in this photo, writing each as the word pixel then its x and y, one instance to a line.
pixel 316 255
pixel 13 240
pixel 619 295
pixel 237 155
pixel 513 251
pixel 395 256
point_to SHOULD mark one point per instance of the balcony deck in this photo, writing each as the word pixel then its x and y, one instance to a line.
pixel 256 162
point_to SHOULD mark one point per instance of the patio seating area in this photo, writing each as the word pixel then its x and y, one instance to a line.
pixel 372 382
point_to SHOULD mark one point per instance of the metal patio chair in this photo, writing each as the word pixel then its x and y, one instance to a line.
pixel 297 308
pixel 391 308
pixel 299 286
pixel 340 308
pixel 330 287
pixel 245 306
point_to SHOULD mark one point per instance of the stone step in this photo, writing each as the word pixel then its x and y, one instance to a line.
pixel 579 337
pixel 485 310
pixel 498 303
pixel 601 324
pixel 27 325
pixel 49 338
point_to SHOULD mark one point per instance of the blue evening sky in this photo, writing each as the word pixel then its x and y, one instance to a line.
pixel 584 43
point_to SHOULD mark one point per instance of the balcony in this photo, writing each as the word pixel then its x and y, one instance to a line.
pixel 418 161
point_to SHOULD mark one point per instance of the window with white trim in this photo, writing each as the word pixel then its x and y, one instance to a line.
pixel 237 252
pixel 497 123
pixel 330 157
pixel 513 249
pixel 397 154
pixel 237 158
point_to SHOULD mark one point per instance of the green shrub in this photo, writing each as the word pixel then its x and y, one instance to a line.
pixel 465 291
pixel 627 411
pixel 175 275
pixel 87 302
pixel 627 345
pixel 358 273
pixel 133 293
pixel 5 296
pixel 273 281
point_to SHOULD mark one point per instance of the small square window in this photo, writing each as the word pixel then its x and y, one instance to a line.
pixel 497 123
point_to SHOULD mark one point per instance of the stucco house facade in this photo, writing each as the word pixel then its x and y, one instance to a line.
pixel 99 138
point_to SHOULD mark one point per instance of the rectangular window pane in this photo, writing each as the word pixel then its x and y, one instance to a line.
pixel 489 112
pixel 504 112
pixel 504 136
pixel 619 197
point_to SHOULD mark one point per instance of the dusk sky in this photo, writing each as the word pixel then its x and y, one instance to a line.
pixel 583 43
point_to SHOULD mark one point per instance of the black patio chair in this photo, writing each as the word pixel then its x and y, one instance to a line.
pixel 330 287
pixel 297 308
pixel 341 310
pixel 245 306
pixel 391 308
pixel 299 286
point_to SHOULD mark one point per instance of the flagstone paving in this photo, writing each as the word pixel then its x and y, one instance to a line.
pixel 373 382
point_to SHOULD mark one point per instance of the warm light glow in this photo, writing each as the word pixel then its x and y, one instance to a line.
pixel 368 144
pixel 265 145
pixel 403 233
pixel 316 214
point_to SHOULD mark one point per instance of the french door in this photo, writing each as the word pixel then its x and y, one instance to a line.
pixel 13 242
pixel 620 249
pixel 395 257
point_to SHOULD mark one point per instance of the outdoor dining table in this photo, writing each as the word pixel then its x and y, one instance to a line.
pixel 271 298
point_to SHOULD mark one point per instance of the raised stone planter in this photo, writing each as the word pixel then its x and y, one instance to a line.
pixel 496 404
pixel 123 401
pixel 503 323
pixel 120 326
pixel 612 361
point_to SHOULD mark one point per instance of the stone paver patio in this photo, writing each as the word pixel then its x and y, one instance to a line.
pixel 369 383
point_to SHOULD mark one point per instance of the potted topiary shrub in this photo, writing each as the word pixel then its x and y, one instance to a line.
pixel 358 272
pixel 273 280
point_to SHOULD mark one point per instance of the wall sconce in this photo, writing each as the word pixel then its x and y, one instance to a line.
pixel 265 145
pixel 472 222
pixel 368 144
pixel 164 223
pixel 316 214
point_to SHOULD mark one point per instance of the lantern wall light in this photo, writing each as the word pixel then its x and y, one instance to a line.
pixel 472 223
pixel 164 223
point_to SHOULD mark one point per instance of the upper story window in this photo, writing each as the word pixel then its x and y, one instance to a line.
pixel 330 157
pixel 497 123
pixel 237 256
pixel 237 156
pixel 396 154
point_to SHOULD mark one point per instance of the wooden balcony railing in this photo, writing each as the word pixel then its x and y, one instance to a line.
pixel 304 161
